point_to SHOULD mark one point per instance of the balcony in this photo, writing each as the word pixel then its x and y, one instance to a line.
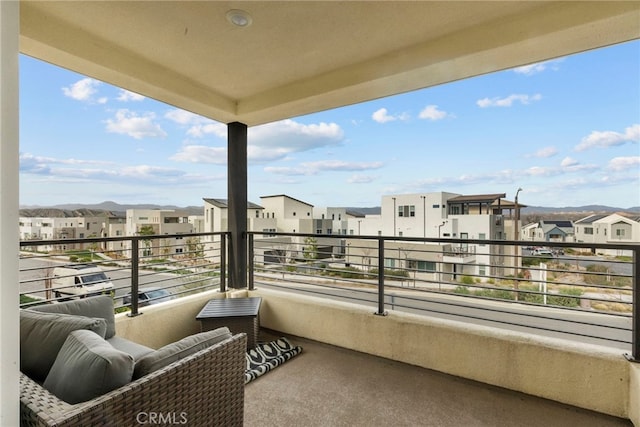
pixel 459 254
pixel 547 342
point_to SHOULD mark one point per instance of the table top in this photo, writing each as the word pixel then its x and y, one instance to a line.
pixel 230 307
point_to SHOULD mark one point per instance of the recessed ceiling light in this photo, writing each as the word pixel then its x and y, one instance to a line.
pixel 239 18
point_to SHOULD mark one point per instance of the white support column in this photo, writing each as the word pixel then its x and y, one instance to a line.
pixel 9 204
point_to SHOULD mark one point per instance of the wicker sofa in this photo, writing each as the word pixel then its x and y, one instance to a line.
pixel 204 388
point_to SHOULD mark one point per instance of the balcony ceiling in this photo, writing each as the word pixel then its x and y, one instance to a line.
pixel 302 57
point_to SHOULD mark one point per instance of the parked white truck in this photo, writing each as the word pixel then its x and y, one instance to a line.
pixel 80 281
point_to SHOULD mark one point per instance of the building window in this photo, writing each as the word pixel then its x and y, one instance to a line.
pixel 399 233
pixel 406 210
pixel 619 232
pixel 588 230
pixel 389 263
pixel 178 250
pixel 482 236
pixel 482 270
pixel 318 231
pixel 436 206
pixel 329 230
pixel 294 214
pixel 257 214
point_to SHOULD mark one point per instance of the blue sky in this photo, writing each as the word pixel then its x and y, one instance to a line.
pixel 566 131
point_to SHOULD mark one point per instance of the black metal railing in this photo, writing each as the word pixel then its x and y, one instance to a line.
pixel 572 294
pixel 569 292
pixel 136 270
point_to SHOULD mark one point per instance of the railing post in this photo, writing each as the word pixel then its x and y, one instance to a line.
pixel 223 263
pixel 381 311
pixel 135 259
pixel 635 300
pixel 250 261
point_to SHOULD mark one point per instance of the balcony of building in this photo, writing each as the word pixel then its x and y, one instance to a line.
pixel 549 346
pixel 426 44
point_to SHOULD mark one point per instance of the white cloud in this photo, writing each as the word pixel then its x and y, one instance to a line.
pixel 623 163
pixel 314 168
pixel 431 112
pixel 604 139
pixel 126 96
pixel 201 154
pixel 137 126
pixel 508 101
pixel 541 171
pixel 269 142
pixel 200 130
pixel 383 116
pixel 360 179
pixel 545 152
pixel 78 170
pixel 185 117
pixel 568 161
pixel 538 67
pixel 83 90
pixel 278 140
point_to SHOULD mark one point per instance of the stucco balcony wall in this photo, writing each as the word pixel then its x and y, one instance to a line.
pixel 586 376
pixel 164 323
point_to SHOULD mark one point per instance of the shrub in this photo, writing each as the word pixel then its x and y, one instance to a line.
pixel 390 273
pixel 467 280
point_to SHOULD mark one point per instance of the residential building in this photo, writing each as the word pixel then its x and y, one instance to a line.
pixel 50 228
pixel 613 228
pixel 159 221
pixel 548 231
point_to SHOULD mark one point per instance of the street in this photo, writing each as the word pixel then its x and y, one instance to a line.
pixel 33 270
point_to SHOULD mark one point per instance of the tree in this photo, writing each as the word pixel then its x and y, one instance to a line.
pixel 310 250
pixel 146 230
pixel 195 249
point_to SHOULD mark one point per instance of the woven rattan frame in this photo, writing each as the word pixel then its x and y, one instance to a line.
pixel 204 389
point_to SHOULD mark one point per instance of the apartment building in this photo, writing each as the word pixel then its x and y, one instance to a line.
pixel 548 231
pixel 159 221
pixel 613 228
pixel 57 228
pixel 440 215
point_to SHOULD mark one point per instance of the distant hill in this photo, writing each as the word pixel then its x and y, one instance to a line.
pixel 65 213
pixel 116 209
pixel 111 208
pixel 366 211
pixel 588 209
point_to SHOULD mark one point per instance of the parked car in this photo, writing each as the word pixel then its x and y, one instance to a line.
pixel 149 295
pixel 80 280
pixel 543 252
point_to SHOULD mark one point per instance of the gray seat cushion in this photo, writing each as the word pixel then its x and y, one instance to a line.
pixel 98 306
pixel 43 334
pixel 172 352
pixel 134 349
pixel 86 367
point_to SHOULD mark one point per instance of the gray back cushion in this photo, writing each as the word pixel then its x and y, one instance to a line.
pixel 43 334
pixel 86 367
pixel 98 306
pixel 172 352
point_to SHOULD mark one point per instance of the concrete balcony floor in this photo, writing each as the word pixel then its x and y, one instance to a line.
pixel 331 386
